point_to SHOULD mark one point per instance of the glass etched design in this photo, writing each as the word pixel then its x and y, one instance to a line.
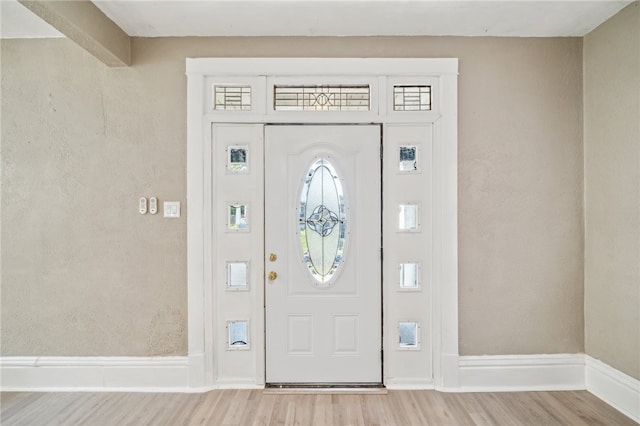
pixel 411 98
pixel 232 98
pixel 322 221
pixel 322 98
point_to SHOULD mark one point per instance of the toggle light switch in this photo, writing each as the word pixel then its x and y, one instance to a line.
pixel 142 205
pixel 153 205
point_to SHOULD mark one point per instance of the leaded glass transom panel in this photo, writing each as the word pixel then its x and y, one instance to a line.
pixel 322 98
pixel 322 221
pixel 411 98
pixel 235 98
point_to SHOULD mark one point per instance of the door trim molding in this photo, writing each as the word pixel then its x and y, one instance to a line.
pixel 201 73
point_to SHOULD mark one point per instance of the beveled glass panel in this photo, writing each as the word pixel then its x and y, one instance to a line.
pixel 408 217
pixel 238 334
pixel 237 219
pixel 237 275
pixel 409 276
pixel 322 221
pixel 408 334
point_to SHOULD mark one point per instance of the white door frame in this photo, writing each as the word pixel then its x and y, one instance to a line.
pixel 380 74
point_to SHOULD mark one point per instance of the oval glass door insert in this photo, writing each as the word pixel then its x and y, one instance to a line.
pixel 322 221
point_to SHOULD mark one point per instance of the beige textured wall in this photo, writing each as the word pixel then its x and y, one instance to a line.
pixel 84 274
pixel 612 191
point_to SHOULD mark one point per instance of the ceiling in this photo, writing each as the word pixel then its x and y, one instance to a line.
pixel 164 18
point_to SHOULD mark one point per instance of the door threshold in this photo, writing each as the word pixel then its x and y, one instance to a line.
pixel 327 389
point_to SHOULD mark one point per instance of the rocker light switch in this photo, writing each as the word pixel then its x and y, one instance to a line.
pixel 172 209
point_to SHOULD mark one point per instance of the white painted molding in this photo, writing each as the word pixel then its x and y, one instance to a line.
pixel 612 386
pixel 409 384
pixel 131 374
pixel 492 373
pixel 321 66
pixel 511 373
pixel 261 74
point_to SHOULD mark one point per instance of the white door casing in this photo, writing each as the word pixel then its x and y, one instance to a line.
pixel 317 332
pixel 210 190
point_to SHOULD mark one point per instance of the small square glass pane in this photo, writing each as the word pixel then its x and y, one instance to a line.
pixel 238 159
pixel 409 276
pixel 408 335
pixel 238 219
pixel 408 161
pixel 408 217
pixel 238 334
pixel 237 275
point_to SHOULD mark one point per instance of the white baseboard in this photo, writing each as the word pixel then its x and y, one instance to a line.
pixel 613 387
pixel 491 373
pixel 408 384
pixel 131 374
pixel 511 373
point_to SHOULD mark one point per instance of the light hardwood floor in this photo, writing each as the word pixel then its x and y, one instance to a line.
pixel 253 407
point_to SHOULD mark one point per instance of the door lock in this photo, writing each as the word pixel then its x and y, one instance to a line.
pixel 273 257
pixel 272 275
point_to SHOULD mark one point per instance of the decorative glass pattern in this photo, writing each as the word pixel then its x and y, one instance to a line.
pixel 412 98
pixel 321 98
pixel 232 98
pixel 322 221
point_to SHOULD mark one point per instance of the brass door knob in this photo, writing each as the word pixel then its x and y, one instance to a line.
pixel 272 275
pixel 273 257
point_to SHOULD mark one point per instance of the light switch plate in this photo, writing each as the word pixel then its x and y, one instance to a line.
pixel 172 209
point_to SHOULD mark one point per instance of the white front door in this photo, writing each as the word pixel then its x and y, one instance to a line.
pixel 322 249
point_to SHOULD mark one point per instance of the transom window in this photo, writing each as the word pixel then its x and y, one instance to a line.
pixel 322 98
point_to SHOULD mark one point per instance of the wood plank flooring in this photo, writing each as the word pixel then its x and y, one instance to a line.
pixel 253 407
